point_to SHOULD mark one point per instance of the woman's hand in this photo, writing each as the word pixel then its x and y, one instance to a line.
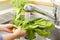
pixel 7 28
pixel 17 33
pixel 13 35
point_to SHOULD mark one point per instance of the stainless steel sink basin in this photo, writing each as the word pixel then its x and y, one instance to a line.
pixel 55 34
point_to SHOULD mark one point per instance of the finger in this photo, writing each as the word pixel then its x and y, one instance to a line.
pixel 7 30
pixel 19 27
pixel 22 32
pixel 14 26
pixel 11 26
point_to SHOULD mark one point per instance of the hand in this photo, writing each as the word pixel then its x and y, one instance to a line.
pixel 8 28
pixel 11 36
pixel 19 32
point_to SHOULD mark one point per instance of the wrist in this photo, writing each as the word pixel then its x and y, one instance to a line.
pixel 15 35
pixel 9 36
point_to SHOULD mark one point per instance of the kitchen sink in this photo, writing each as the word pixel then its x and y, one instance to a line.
pixel 55 33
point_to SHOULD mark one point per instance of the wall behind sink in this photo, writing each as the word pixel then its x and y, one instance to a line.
pixel 5 6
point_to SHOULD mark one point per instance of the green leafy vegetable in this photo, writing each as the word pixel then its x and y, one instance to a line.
pixel 35 25
pixel 30 34
pixel 42 32
pixel 38 23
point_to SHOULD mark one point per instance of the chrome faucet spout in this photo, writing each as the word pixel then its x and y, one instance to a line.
pixel 33 7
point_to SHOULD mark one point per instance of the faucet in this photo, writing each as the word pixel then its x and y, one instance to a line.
pixel 32 7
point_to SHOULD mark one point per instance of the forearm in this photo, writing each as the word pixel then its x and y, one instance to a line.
pixel 1 27
pixel 9 36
